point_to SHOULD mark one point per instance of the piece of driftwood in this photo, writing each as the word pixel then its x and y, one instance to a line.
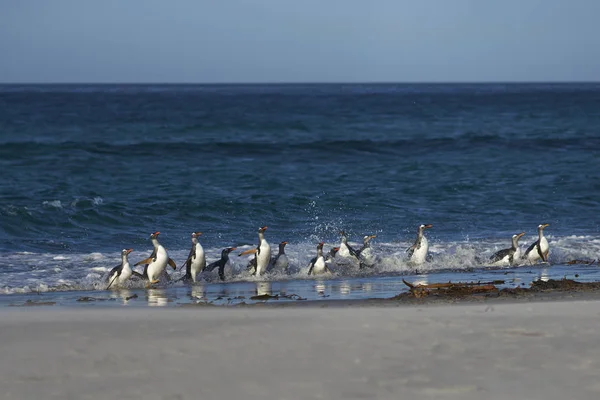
pixel 452 288
pixel 585 262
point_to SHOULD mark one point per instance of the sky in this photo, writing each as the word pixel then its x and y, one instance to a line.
pixel 251 41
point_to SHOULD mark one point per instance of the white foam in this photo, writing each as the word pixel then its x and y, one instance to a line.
pixel 53 203
pixel 48 272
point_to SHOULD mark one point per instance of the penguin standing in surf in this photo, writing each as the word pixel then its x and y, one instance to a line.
pixel 317 265
pixel 119 274
pixel 366 258
pixel 221 263
pixel 417 253
pixel 155 265
pixel 538 249
pixel 196 261
pixel 508 256
pixel 345 249
pixel 280 262
pixel 262 254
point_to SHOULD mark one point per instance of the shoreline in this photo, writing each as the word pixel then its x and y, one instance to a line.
pixel 467 351
pixel 456 293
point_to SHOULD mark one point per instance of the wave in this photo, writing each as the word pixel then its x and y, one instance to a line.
pixel 190 147
pixel 25 272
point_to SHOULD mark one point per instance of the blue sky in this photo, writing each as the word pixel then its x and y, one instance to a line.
pixel 299 41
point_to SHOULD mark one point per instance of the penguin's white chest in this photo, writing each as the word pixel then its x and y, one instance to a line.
pixel 367 255
pixel 533 254
pixel 544 245
pixel 263 257
pixel 516 256
pixel 282 262
pixel 155 268
pixel 420 254
pixel 125 273
pixel 319 267
pixel 198 262
pixel 343 251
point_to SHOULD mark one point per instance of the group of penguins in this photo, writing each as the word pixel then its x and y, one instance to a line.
pixel 155 266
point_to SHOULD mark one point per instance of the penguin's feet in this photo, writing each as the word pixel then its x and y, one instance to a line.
pixel 154 282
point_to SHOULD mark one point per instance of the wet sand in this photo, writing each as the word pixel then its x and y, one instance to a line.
pixel 493 350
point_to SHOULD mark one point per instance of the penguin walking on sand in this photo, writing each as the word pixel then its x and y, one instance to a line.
pixel 221 264
pixel 508 256
pixel 538 249
pixel 196 260
pixel 417 253
pixel 317 265
pixel 119 274
pixel 154 266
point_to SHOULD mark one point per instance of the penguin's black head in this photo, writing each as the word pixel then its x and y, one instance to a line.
pixel 154 235
pixel 225 252
pixel 282 244
pixel 125 252
pixel 262 229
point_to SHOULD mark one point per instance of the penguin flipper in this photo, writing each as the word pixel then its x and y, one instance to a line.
pixel 411 250
pixel 188 261
pixel 138 275
pixel 212 266
pixel 112 271
pixel 172 263
pixel 530 248
pixel 353 252
pixel 146 261
pixel 111 282
pixel 311 265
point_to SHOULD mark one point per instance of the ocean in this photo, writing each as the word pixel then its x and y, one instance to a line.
pixel 88 170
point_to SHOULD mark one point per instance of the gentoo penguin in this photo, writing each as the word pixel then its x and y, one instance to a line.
pixel 418 251
pixel 262 254
pixel 317 265
pixel 331 253
pixel 508 256
pixel 365 254
pixel 539 248
pixel 196 261
pixel 119 274
pixel 345 249
pixel 221 263
pixel 155 265
pixel 280 262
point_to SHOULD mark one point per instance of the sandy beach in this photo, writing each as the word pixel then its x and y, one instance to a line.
pixel 538 350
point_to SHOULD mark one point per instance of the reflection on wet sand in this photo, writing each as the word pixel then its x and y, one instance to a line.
pixel 198 292
pixel 544 275
pixel 263 288
pixel 123 294
pixel 157 297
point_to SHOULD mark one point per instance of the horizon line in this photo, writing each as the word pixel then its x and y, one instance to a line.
pixel 240 83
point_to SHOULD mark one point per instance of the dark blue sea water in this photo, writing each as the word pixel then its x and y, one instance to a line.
pixel 90 169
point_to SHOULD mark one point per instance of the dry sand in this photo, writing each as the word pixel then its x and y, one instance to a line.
pixel 544 350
